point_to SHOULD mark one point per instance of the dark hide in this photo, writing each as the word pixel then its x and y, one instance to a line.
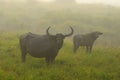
pixel 41 46
pixel 85 40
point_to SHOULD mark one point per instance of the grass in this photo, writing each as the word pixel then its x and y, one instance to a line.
pixel 102 64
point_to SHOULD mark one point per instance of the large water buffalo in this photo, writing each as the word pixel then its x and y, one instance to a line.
pixel 40 46
pixel 85 40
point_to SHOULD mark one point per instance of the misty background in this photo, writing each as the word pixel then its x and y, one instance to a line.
pixel 21 16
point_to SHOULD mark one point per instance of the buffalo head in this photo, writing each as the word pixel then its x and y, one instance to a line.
pixel 96 34
pixel 59 37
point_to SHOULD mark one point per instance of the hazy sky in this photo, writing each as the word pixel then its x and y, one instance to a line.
pixel 111 2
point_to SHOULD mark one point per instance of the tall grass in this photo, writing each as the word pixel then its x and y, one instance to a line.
pixel 101 64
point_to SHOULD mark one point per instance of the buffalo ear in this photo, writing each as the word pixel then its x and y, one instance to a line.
pixel 52 36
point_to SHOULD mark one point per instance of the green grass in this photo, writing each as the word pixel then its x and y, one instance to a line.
pixel 102 64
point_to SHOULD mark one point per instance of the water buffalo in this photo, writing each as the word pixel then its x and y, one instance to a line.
pixel 42 46
pixel 85 40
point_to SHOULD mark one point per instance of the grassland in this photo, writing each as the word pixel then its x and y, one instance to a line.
pixel 102 64
pixel 19 18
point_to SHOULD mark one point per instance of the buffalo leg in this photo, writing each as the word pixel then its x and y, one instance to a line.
pixel 76 46
pixel 24 56
pixel 47 60
pixel 52 59
pixel 23 49
pixel 87 48
pixel 90 49
pixel 24 52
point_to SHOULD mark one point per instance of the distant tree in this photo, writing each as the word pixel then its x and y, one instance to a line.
pixel 2 1
pixel 66 1
pixel 32 1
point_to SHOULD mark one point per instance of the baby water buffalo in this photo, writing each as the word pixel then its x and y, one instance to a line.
pixel 40 46
pixel 85 40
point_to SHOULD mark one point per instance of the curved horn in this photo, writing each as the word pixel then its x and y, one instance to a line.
pixel 69 33
pixel 47 31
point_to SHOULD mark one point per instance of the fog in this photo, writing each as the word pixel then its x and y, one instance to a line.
pixel 106 2
pixel 36 17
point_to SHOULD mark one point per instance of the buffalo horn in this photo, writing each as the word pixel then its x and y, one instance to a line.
pixel 69 33
pixel 47 31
